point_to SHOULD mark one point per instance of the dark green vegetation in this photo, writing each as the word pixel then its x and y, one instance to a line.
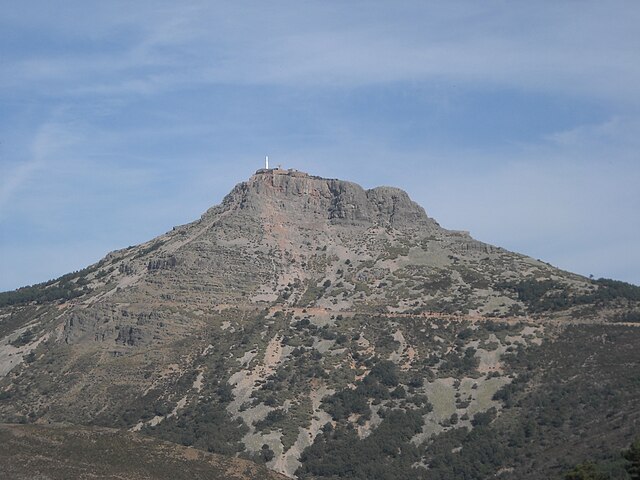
pixel 381 383
pixel 64 288
pixel 626 465
pixel 633 317
pixel 65 452
pixel 386 454
pixel 632 455
pixel 24 338
pixel 206 426
pixel 573 399
pixel 75 284
pixel 551 295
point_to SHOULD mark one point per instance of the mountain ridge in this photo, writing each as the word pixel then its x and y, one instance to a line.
pixel 301 311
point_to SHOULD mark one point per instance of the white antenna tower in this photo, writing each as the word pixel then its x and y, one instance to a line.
pixel 266 162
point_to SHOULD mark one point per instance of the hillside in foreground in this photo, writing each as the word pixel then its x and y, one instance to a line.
pixel 54 452
pixel 332 332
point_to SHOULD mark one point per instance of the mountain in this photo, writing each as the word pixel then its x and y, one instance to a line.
pixel 332 331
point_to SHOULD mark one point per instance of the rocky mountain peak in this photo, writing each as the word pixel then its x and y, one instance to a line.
pixel 308 323
pixel 299 194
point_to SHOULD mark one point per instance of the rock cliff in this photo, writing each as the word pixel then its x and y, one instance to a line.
pixel 297 194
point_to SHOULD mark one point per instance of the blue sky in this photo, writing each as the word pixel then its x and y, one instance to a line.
pixel 518 121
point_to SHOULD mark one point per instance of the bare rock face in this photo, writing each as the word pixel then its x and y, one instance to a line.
pixel 296 194
pixel 392 206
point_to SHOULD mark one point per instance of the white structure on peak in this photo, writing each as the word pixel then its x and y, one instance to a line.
pixel 266 162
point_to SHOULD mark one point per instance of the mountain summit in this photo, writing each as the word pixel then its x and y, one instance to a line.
pixel 302 197
pixel 330 331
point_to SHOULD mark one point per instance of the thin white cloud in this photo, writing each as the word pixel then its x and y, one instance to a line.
pixel 49 139
pixel 590 49
pixel 619 135
pixel 13 179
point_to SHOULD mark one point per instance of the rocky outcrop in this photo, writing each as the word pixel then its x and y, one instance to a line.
pixel 107 323
pixel 130 335
pixel 162 263
pixel 337 201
